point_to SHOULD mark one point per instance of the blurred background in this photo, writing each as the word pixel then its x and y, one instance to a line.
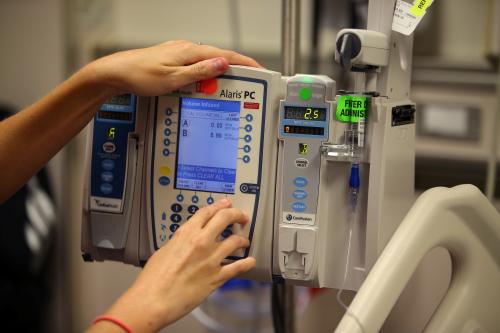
pixel 455 85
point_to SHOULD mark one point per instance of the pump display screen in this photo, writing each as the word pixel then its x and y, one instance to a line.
pixel 303 130
pixel 120 100
pixel 115 115
pixel 305 113
pixel 207 145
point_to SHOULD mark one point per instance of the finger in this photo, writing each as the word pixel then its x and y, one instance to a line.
pixel 196 53
pixel 229 245
pixel 199 71
pixel 236 268
pixel 206 213
pixel 224 218
pixel 235 58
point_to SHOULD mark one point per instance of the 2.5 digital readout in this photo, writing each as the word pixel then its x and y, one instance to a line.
pixel 305 113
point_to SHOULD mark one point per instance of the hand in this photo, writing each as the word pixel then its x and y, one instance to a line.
pixel 165 67
pixel 181 274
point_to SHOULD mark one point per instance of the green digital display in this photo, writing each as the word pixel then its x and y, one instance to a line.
pixel 305 113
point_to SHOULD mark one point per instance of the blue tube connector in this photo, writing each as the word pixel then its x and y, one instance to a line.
pixel 354 181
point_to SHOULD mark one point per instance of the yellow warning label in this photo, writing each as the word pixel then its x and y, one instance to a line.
pixel 419 7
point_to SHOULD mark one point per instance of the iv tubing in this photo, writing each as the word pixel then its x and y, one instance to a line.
pixel 354 184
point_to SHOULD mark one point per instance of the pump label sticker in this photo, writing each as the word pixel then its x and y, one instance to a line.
pixel 408 14
pixel 352 109
pixel 299 218
pixel 105 204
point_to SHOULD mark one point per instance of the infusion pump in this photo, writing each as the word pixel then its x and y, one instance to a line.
pixel 263 140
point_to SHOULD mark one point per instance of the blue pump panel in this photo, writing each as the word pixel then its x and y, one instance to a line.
pixel 112 125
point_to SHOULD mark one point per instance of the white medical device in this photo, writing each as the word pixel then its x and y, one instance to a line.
pixel 274 145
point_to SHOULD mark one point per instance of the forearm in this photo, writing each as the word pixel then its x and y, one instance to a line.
pixel 32 137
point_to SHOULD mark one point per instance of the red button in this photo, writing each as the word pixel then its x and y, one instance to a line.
pixel 208 87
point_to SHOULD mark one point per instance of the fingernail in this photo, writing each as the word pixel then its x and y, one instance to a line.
pixel 219 64
pixel 224 201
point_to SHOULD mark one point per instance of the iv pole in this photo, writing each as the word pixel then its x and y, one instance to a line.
pixel 290 42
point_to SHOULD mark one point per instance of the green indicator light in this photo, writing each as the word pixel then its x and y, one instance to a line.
pixel 305 94
pixel 350 109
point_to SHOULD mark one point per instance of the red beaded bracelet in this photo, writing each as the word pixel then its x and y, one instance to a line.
pixel 115 321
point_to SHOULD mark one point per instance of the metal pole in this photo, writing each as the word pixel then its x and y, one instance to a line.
pixel 290 36
pixel 290 39
pixel 491 174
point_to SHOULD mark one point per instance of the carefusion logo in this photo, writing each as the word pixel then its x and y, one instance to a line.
pixel 299 218
pixel 105 204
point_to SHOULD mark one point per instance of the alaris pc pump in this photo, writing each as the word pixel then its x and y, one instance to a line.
pixel 307 166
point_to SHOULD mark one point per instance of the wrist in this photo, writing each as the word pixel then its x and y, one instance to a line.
pixel 105 326
pixel 139 312
pixel 95 74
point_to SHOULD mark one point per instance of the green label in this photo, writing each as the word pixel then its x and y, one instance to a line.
pixel 350 109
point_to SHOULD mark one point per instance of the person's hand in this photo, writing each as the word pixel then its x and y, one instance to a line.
pixel 165 67
pixel 181 274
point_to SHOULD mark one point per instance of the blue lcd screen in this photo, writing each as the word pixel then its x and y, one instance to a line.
pixel 207 145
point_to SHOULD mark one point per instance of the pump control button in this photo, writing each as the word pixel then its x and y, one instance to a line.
pixel 176 208
pixel 249 188
pixel 226 233
pixel 107 176
pixel 299 206
pixel 106 188
pixel 176 218
pixel 174 227
pixel 195 199
pixel 300 182
pixel 164 180
pixel 193 209
pixel 210 200
pixel 300 194
pixel 109 147
pixel 108 164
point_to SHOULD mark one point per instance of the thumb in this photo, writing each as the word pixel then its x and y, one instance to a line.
pixel 203 70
